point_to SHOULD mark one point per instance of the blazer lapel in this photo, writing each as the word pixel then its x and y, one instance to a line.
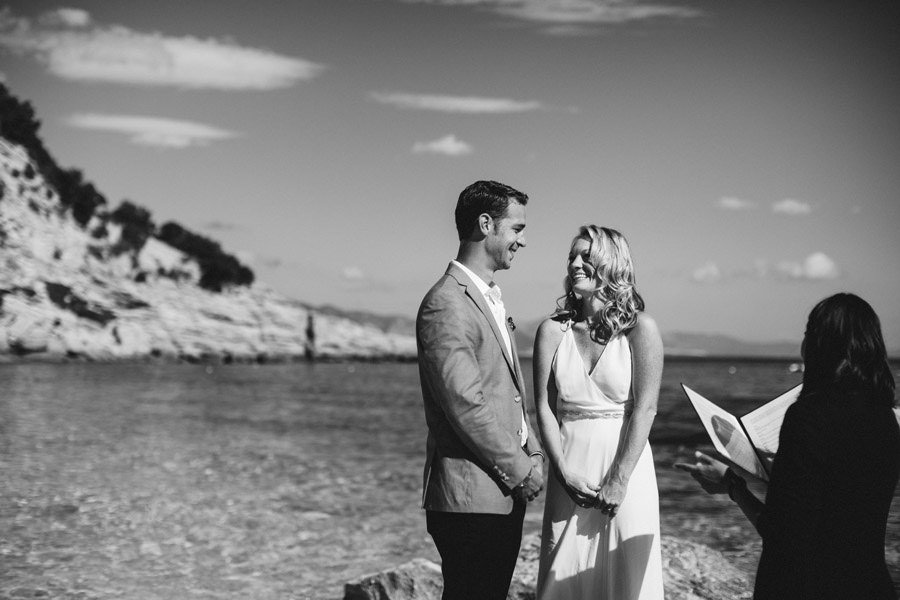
pixel 515 349
pixel 478 298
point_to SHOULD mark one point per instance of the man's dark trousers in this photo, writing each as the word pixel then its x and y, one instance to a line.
pixel 478 551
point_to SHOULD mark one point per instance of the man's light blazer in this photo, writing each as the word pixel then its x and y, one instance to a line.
pixel 474 397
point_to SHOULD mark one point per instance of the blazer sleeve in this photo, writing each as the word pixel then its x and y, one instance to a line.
pixel 448 356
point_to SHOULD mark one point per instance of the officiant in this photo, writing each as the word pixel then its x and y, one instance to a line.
pixel 824 518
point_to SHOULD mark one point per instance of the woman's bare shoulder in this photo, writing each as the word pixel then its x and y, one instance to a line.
pixel 549 334
pixel 646 323
pixel 645 331
pixel 552 327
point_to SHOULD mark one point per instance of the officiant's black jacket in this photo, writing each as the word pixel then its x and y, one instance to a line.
pixel 823 525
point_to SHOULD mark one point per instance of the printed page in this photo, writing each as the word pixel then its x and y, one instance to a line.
pixel 727 435
pixel 763 424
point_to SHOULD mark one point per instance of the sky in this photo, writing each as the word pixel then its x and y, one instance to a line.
pixel 749 151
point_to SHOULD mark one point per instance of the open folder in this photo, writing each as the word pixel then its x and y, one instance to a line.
pixel 748 442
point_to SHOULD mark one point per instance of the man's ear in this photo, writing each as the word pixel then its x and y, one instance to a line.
pixel 485 223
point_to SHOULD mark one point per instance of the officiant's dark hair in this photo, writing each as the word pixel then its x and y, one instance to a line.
pixel 484 197
pixel 843 349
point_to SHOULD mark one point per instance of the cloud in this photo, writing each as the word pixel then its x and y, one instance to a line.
pixel 65 17
pixel 789 206
pixel 152 131
pixel 455 104
pixel 62 41
pixel 815 267
pixel 447 145
pixel 707 273
pixel 352 273
pixel 565 15
pixel 354 279
pixel 732 203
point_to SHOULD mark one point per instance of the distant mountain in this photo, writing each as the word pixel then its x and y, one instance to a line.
pixel 676 344
pixel 397 324
pixel 698 344
pixel 682 344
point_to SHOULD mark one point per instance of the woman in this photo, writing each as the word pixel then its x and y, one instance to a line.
pixel 597 369
pixel 824 518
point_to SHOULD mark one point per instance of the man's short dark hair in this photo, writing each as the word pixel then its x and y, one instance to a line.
pixel 484 197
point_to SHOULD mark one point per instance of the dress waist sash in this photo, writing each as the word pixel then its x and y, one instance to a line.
pixel 574 414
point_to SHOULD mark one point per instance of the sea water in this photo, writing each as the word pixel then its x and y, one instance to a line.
pixel 271 481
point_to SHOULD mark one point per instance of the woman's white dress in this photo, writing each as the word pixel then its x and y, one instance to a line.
pixel 585 554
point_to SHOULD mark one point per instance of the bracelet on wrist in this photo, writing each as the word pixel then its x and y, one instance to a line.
pixel 525 481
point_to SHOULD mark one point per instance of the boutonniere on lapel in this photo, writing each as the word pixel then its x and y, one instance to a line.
pixel 510 323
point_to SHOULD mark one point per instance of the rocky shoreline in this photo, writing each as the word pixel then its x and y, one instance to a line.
pixel 691 571
pixel 66 293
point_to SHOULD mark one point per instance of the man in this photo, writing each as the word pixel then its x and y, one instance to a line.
pixel 483 465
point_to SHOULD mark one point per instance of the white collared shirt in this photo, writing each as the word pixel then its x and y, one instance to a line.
pixel 498 311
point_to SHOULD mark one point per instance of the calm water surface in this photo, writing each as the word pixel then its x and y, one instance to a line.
pixel 276 481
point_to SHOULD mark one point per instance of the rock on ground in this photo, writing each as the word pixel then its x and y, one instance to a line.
pixel 691 571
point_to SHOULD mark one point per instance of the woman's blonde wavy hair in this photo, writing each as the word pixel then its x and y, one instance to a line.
pixel 611 258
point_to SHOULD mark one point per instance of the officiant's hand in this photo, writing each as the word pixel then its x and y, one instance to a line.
pixel 709 473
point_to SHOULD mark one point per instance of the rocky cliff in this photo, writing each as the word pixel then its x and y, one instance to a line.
pixel 66 291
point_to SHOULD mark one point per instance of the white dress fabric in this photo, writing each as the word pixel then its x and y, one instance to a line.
pixel 586 555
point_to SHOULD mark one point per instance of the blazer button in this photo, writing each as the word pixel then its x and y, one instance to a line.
pixel 517 398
